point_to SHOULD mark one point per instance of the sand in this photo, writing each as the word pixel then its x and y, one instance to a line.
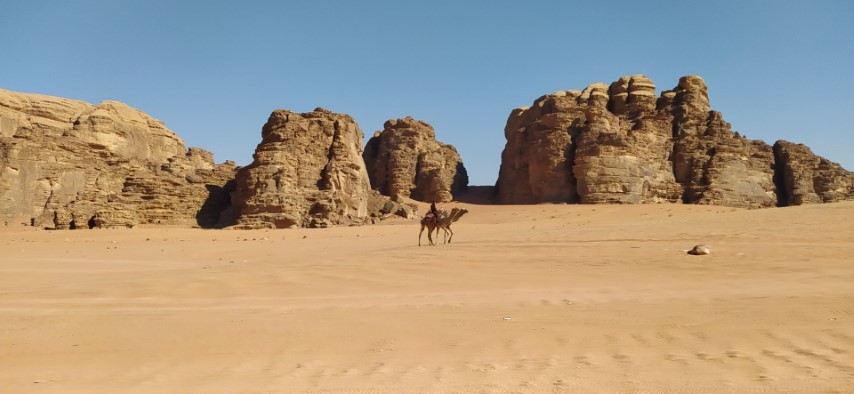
pixel 528 299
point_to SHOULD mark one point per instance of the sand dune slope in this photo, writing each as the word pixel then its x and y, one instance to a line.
pixel 528 299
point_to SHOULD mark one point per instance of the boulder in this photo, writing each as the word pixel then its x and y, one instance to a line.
pixel 382 207
pixel 699 250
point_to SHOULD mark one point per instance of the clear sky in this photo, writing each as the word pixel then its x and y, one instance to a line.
pixel 214 70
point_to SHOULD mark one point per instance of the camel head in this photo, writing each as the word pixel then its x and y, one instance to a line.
pixel 457 213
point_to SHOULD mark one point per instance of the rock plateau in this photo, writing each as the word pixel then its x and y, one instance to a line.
pixel 620 143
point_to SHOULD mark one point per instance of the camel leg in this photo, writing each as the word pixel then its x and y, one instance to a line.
pixel 430 235
pixel 419 235
pixel 452 234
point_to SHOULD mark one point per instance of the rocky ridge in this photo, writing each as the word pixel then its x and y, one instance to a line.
pixel 406 160
pixel 620 143
pixel 70 164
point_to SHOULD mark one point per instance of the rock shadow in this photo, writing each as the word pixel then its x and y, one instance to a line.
pixel 219 199
pixel 479 195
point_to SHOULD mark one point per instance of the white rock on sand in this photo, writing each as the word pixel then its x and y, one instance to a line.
pixel 700 250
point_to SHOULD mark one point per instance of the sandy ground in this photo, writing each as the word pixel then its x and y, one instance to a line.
pixel 528 299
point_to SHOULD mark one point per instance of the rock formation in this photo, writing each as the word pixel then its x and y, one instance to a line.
pixel 70 164
pixel 308 172
pixel 405 160
pixel 621 144
pixel 807 178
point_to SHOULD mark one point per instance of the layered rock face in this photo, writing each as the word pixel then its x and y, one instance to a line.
pixel 622 144
pixel 308 172
pixel 807 178
pixel 405 160
pixel 70 164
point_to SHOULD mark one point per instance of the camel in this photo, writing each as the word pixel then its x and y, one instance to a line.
pixel 443 222
pixel 455 215
pixel 430 222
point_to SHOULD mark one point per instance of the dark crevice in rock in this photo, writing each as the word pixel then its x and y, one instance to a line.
pixel 574 131
pixel 218 201
pixel 461 180
pixel 780 177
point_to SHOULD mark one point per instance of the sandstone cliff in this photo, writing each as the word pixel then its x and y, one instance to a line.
pixel 405 160
pixel 70 164
pixel 807 178
pixel 622 144
pixel 308 172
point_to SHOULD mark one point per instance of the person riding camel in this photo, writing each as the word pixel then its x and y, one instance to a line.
pixel 433 215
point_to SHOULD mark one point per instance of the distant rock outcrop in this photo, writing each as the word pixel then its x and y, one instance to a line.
pixel 308 172
pixel 621 144
pixel 405 160
pixel 70 164
pixel 807 178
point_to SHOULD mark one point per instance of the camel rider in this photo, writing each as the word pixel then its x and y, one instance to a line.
pixel 434 213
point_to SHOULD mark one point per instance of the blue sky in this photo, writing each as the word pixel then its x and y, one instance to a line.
pixel 214 70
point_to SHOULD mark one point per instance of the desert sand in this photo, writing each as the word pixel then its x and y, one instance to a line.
pixel 527 299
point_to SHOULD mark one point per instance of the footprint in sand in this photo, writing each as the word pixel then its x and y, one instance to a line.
pixel 583 361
